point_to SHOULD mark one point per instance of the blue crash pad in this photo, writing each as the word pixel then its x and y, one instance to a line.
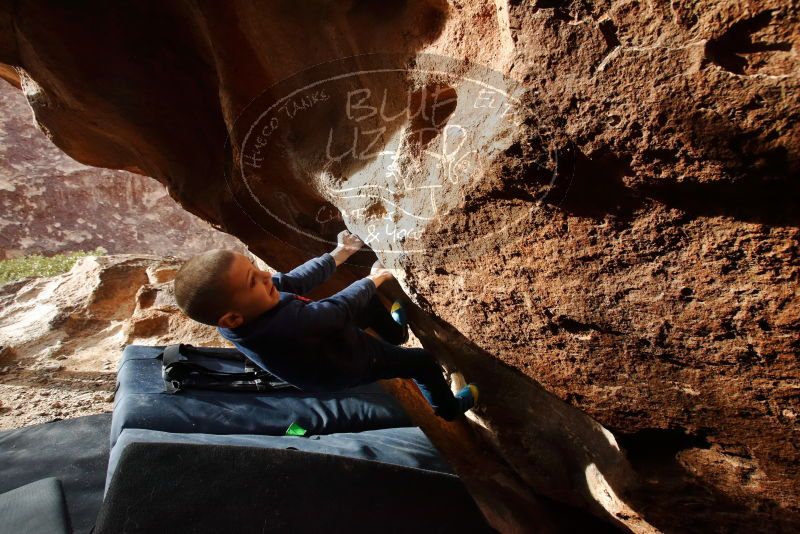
pixel 141 402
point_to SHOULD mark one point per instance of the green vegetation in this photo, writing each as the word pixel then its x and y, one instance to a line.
pixel 37 265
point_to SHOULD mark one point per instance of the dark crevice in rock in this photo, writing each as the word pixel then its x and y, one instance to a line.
pixel 662 154
pixel 570 180
pixel 382 10
pixel 510 193
pixel 730 50
pixel 758 183
pixel 750 356
pixel 594 187
pixel 752 198
pixel 567 10
pixel 609 31
pixel 560 8
pixel 664 442
pixel 577 327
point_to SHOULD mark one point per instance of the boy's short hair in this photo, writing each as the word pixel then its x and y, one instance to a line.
pixel 201 285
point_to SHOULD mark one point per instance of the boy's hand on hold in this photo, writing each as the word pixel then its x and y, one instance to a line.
pixel 349 241
pixel 379 273
pixel 348 244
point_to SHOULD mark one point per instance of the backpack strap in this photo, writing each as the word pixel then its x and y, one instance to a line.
pixel 188 350
pixel 169 356
pixel 179 372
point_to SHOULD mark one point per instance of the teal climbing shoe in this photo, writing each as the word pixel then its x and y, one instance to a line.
pixel 399 316
pixel 399 313
pixel 467 397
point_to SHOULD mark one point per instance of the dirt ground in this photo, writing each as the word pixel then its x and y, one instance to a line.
pixel 31 393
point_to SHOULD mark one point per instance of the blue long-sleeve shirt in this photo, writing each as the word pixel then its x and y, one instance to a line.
pixel 310 344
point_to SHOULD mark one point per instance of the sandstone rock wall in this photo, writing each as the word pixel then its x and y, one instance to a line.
pixel 49 203
pixel 624 238
pixel 61 337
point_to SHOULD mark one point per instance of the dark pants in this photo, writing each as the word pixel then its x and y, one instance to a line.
pixel 418 364
pixel 391 361
pixel 377 317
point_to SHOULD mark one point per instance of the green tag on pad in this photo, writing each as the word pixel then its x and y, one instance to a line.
pixel 296 430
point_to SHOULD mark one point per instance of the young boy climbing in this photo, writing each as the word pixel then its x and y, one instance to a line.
pixel 312 344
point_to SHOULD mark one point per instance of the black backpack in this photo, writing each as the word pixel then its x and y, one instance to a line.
pixel 184 366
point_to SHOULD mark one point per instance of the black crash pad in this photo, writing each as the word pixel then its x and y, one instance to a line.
pixel 182 488
pixel 35 508
pixel 74 450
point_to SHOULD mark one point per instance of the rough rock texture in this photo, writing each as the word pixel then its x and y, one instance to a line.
pixel 51 203
pixel 626 238
pixel 60 337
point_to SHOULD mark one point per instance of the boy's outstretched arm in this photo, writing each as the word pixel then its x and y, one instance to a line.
pixel 348 244
pixel 312 273
pixel 337 311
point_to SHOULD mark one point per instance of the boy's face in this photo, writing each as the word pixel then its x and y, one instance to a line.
pixel 252 292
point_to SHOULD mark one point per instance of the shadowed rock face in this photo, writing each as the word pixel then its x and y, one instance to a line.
pixel 595 216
